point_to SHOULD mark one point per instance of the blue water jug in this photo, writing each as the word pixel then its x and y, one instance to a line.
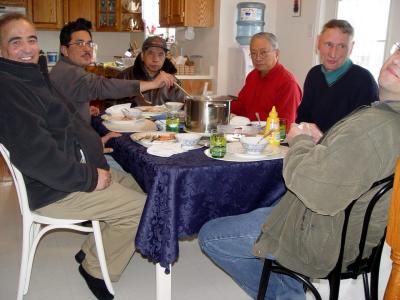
pixel 250 20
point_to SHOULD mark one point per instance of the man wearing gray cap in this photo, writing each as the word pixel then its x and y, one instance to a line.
pixel 148 65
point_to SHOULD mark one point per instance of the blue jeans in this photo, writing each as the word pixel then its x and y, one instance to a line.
pixel 228 241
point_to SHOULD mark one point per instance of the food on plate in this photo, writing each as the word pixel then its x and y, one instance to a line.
pixel 153 109
pixel 150 136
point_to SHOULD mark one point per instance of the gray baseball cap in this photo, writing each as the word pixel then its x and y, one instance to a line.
pixel 154 41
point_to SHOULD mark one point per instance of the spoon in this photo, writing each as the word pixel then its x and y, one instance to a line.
pixel 264 136
pixel 258 119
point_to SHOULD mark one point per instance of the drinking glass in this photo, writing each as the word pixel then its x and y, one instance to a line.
pixel 282 128
pixel 217 144
pixel 172 122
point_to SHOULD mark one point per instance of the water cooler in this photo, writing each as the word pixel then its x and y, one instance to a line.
pixel 250 20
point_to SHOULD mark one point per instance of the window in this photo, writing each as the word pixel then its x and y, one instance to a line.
pixel 150 15
pixel 370 21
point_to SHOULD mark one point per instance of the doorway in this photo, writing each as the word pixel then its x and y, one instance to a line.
pixel 370 21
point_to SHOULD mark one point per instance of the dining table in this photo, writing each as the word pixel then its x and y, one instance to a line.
pixel 186 190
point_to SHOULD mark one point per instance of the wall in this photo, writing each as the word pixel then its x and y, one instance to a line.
pixel 110 43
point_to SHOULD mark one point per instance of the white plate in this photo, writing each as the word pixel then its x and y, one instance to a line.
pixel 117 109
pixel 119 120
pixel 152 111
pixel 141 125
pixel 235 152
pixel 147 142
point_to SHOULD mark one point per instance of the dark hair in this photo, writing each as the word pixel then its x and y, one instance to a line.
pixel 78 25
pixel 343 25
pixel 5 19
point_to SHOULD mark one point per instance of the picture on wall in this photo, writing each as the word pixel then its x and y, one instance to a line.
pixel 296 8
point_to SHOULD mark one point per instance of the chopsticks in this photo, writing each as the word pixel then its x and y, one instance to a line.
pixel 183 90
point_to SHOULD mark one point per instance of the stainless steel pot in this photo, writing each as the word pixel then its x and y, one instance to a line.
pixel 204 113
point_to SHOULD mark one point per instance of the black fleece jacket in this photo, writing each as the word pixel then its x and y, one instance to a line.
pixel 44 134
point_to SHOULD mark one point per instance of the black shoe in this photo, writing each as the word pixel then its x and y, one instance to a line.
pixel 80 256
pixel 97 286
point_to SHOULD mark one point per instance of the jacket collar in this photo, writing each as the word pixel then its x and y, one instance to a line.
pixel 23 71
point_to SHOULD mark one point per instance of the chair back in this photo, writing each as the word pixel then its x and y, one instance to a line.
pixel 19 182
pixel 361 264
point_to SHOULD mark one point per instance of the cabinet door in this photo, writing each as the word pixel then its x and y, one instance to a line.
pixel 164 12
pixel 46 13
pixel 108 15
pixel 199 13
pixel 177 12
pixel 74 9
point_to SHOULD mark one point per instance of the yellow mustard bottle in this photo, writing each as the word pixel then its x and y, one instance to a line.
pixel 272 126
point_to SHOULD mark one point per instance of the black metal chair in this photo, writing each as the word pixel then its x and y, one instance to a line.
pixel 361 265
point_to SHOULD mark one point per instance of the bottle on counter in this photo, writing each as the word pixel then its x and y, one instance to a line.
pixel 272 126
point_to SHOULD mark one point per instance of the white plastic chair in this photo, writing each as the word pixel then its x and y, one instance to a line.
pixel 35 226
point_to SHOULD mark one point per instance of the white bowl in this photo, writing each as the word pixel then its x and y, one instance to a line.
pixel 188 140
pixel 174 106
pixel 253 144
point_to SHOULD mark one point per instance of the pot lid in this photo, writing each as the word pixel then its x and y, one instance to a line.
pixel 209 98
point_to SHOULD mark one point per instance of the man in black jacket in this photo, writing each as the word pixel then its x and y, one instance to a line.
pixel 61 156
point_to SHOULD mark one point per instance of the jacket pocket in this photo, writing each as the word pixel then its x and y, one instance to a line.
pixel 318 239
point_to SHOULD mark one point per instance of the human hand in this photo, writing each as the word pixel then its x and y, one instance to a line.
pixel 162 79
pixel 309 129
pixel 94 111
pixel 103 179
pixel 106 138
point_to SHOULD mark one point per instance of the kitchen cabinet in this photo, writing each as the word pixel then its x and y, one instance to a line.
pixel 108 15
pixel 74 9
pixel 117 15
pixel 131 16
pixel 193 13
pixel 46 13
pixel 14 2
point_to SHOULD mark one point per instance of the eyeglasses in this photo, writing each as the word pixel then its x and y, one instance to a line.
pixel 82 44
pixel 395 48
pixel 261 54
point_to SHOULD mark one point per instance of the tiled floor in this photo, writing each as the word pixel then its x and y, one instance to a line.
pixel 55 274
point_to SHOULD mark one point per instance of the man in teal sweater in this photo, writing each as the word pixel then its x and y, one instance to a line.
pixel 336 87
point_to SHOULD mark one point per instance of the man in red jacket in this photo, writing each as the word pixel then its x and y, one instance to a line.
pixel 269 84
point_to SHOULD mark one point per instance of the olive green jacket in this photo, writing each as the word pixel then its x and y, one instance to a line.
pixel 303 231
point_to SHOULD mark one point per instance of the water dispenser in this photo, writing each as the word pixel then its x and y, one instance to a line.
pixel 250 20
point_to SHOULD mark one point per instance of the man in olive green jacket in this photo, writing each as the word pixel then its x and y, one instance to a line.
pixel 323 176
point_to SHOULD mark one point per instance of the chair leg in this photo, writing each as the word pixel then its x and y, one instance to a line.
pixel 24 258
pixel 375 275
pixel 366 286
pixel 33 243
pixel 266 272
pixel 100 254
pixel 334 287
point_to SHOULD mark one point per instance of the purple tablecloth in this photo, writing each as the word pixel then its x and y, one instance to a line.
pixel 188 189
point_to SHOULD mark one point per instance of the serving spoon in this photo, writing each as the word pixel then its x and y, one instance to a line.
pixel 258 119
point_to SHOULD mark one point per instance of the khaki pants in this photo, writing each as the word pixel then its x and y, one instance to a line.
pixel 119 208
